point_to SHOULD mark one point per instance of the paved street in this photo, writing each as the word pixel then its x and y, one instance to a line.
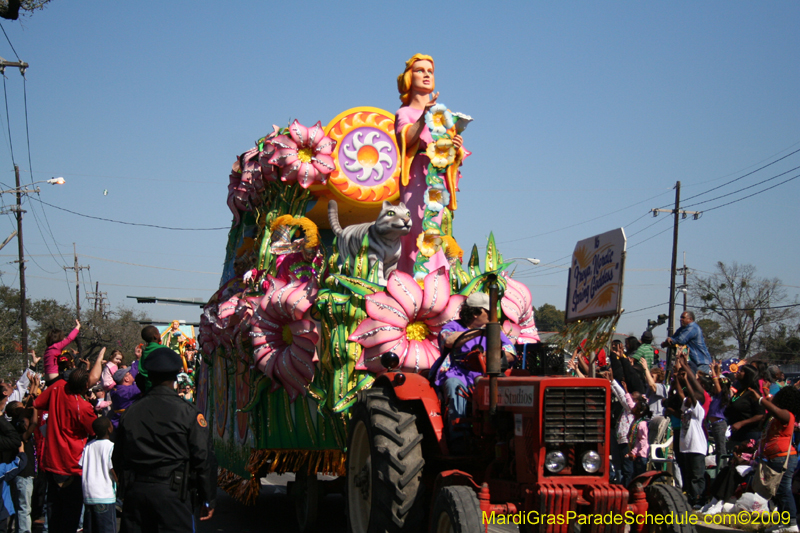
pixel 274 512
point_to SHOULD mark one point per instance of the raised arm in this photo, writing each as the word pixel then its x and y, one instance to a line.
pixel 781 414
pixel 651 383
pixel 97 370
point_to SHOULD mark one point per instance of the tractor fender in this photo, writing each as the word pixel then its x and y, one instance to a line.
pixel 408 386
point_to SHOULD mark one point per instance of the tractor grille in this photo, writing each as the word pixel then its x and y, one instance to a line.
pixel 573 415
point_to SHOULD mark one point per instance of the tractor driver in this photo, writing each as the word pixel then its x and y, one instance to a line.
pixel 458 380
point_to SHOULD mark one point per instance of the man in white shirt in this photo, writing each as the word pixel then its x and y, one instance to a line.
pixel 693 445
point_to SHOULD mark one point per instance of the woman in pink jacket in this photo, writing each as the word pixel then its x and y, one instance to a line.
pixel 56 341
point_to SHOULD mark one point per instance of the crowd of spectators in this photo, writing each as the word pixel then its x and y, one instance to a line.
pixel 723 423
pixel 56 436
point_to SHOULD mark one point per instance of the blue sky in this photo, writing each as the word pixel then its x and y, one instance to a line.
pixel 582 110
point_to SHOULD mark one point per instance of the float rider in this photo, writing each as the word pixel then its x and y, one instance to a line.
pixel 464 340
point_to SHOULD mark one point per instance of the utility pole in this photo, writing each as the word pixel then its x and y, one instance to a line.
pixel 673 271
pixel 685 287
pixel 77 268
pixel 98 298
pixel 22 311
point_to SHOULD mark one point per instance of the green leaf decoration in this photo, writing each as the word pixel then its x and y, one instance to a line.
pixel 260 386
pixel 359 286
pixel 362 259
pixel 474 263
pixel 373 273
pixel 492 255
pixel 350 398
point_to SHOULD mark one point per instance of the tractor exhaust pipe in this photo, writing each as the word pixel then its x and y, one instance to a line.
pixel 493 363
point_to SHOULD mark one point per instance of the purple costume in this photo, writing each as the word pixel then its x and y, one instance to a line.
pixel 466 376
pixel 122 397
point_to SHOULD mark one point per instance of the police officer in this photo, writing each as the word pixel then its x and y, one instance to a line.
pixel 163 450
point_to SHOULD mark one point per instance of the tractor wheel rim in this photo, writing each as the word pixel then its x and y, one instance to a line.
pixel 360 472
pixel 443 525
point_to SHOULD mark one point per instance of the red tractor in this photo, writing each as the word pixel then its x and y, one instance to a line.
pixel 537 456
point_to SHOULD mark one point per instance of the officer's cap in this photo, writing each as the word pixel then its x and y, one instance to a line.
pixel 163 360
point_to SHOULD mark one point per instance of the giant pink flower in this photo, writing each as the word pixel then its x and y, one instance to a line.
pixel 284 338
pixel 516 304
pixel 247 183
pixel 406 320
pixel 304 156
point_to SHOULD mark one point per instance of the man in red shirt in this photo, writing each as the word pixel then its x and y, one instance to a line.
pixel 68 425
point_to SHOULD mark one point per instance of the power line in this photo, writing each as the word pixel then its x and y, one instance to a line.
pixel 744 188
pixel 754 194
pixel 740 177
pixel 149 266
pixel 126 223
pixel 30 164
pixel 586 221
pixel 745 168
pixel 9 43
pixel 8 120
pixel 708 308
pixel 645 308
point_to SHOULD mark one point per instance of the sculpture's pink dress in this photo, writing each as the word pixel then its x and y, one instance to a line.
pixel 412 180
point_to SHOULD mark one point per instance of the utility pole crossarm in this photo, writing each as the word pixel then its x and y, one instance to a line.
pixel 20 64
pixel 682 212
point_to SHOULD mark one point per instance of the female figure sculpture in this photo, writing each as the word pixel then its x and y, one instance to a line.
pixel 416 86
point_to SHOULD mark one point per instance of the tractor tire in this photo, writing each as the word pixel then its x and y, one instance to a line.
pixel 384 465
pixel 306 495
pixel 456 510
pixel 665 499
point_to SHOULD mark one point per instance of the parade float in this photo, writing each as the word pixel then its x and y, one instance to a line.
pixel 341 268
pixel 342 248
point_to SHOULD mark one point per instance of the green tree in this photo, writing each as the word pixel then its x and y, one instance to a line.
pixel 715 338
pixel 9 9
pixel 744 305
pixel 782 345
pixel 549 318
pixel 117 329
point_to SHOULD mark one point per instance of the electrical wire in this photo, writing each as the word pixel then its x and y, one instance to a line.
pixel 585 221
pixel 30 166
pixel 744 188
pixel 9 43
pixel 625 312
pixel 148 266
pixel 8 121
pixel 751 195
pixel 35 262
pixel 743 308
pixel 127 223
pixel 147 286
pixel 737 179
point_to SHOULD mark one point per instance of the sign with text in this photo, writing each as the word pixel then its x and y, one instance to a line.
pixel 595 276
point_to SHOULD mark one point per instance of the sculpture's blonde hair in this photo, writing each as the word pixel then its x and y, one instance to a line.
pixel 404 79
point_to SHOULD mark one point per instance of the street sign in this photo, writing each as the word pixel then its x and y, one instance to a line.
pixel 595 277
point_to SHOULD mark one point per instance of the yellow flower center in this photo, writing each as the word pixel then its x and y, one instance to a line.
pixel 305 154
pixel 288 338
pixel 417 331
pixel 438 119
pixel 435 195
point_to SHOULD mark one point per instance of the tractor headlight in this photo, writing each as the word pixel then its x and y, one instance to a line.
pixel 555 461
pixel 591 461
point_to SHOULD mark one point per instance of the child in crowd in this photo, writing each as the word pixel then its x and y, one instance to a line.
pixel 98 481
pixel 25 421
pixel 638 437
pixel 628 402
pixel 113 364
pixel 152 337
pixel 9 471
pixel 56 341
